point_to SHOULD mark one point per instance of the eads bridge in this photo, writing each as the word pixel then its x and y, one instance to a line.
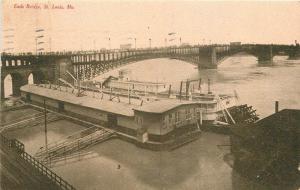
pixel 85 65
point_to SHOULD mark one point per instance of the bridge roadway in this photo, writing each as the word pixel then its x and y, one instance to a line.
pixel 86 64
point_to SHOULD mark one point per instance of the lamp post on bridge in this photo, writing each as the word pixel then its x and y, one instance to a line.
pixel 134 41
pixel 149 42
pixel 179 41
pixel 109 45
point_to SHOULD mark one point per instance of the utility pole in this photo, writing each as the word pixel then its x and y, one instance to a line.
pixel 187 86
pixel 35 45
pixel 39 35
pixel 50 40
pixel 199 87
pixel 45 114
pixel 9 39
pixel 180 91
pixel 0 88
pixel 208 87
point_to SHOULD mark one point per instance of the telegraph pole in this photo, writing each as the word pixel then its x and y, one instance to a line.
pixel 9 39
pixel 39 35
pixel 45 116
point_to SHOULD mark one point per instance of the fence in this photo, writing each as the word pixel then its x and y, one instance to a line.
pixel 18 147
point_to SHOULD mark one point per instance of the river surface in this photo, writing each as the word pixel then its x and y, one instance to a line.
pixel 202 164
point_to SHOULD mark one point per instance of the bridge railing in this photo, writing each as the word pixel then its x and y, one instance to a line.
pixel 71 53
pixel 58 53
pixel 18 147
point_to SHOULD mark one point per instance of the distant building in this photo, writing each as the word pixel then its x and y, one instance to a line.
pixel 185 45
pixel 235 43
pixel 125 46
pixel 125 74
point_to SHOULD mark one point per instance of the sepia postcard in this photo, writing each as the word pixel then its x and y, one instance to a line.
pixel 149 95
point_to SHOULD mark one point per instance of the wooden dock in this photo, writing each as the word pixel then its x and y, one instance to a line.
pixel 21 171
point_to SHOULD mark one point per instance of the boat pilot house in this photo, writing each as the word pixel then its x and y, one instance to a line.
pixel 163 120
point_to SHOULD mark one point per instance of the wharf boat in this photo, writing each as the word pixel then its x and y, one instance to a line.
pixel 150 121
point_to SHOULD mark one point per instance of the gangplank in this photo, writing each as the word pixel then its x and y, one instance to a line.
pixel 73 143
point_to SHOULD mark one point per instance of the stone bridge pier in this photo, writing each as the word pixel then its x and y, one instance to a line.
pixel 208 58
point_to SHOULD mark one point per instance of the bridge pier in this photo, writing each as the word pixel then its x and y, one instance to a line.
pixel 264 54
pixel 61 66
pixel 294 53
pixel 207 58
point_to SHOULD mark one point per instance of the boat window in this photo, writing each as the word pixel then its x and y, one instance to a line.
pixel 170 118
pixel 186 113
pixel 177 116
pixel 138 120
pixel 210 106
pixel 166 119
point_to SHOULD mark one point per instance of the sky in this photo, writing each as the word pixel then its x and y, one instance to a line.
pixel 88 24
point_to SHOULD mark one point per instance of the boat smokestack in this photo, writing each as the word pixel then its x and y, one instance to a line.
pixel 276 106
pixel 199 86
pixel 208 86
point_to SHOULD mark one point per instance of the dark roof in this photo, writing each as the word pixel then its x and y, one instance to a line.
pixel 284 120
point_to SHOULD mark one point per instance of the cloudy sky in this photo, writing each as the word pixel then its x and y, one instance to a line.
pixel 90 24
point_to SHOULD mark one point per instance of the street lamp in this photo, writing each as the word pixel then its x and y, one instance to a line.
pixel 149 42
pixel 134 41
pixel 109 43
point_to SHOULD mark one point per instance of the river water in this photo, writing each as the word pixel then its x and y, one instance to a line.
pixel 202 164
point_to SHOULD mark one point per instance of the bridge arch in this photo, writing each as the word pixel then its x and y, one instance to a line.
pixel 7 86
pixel 12 83
pixel 35 77
pixel 234 55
